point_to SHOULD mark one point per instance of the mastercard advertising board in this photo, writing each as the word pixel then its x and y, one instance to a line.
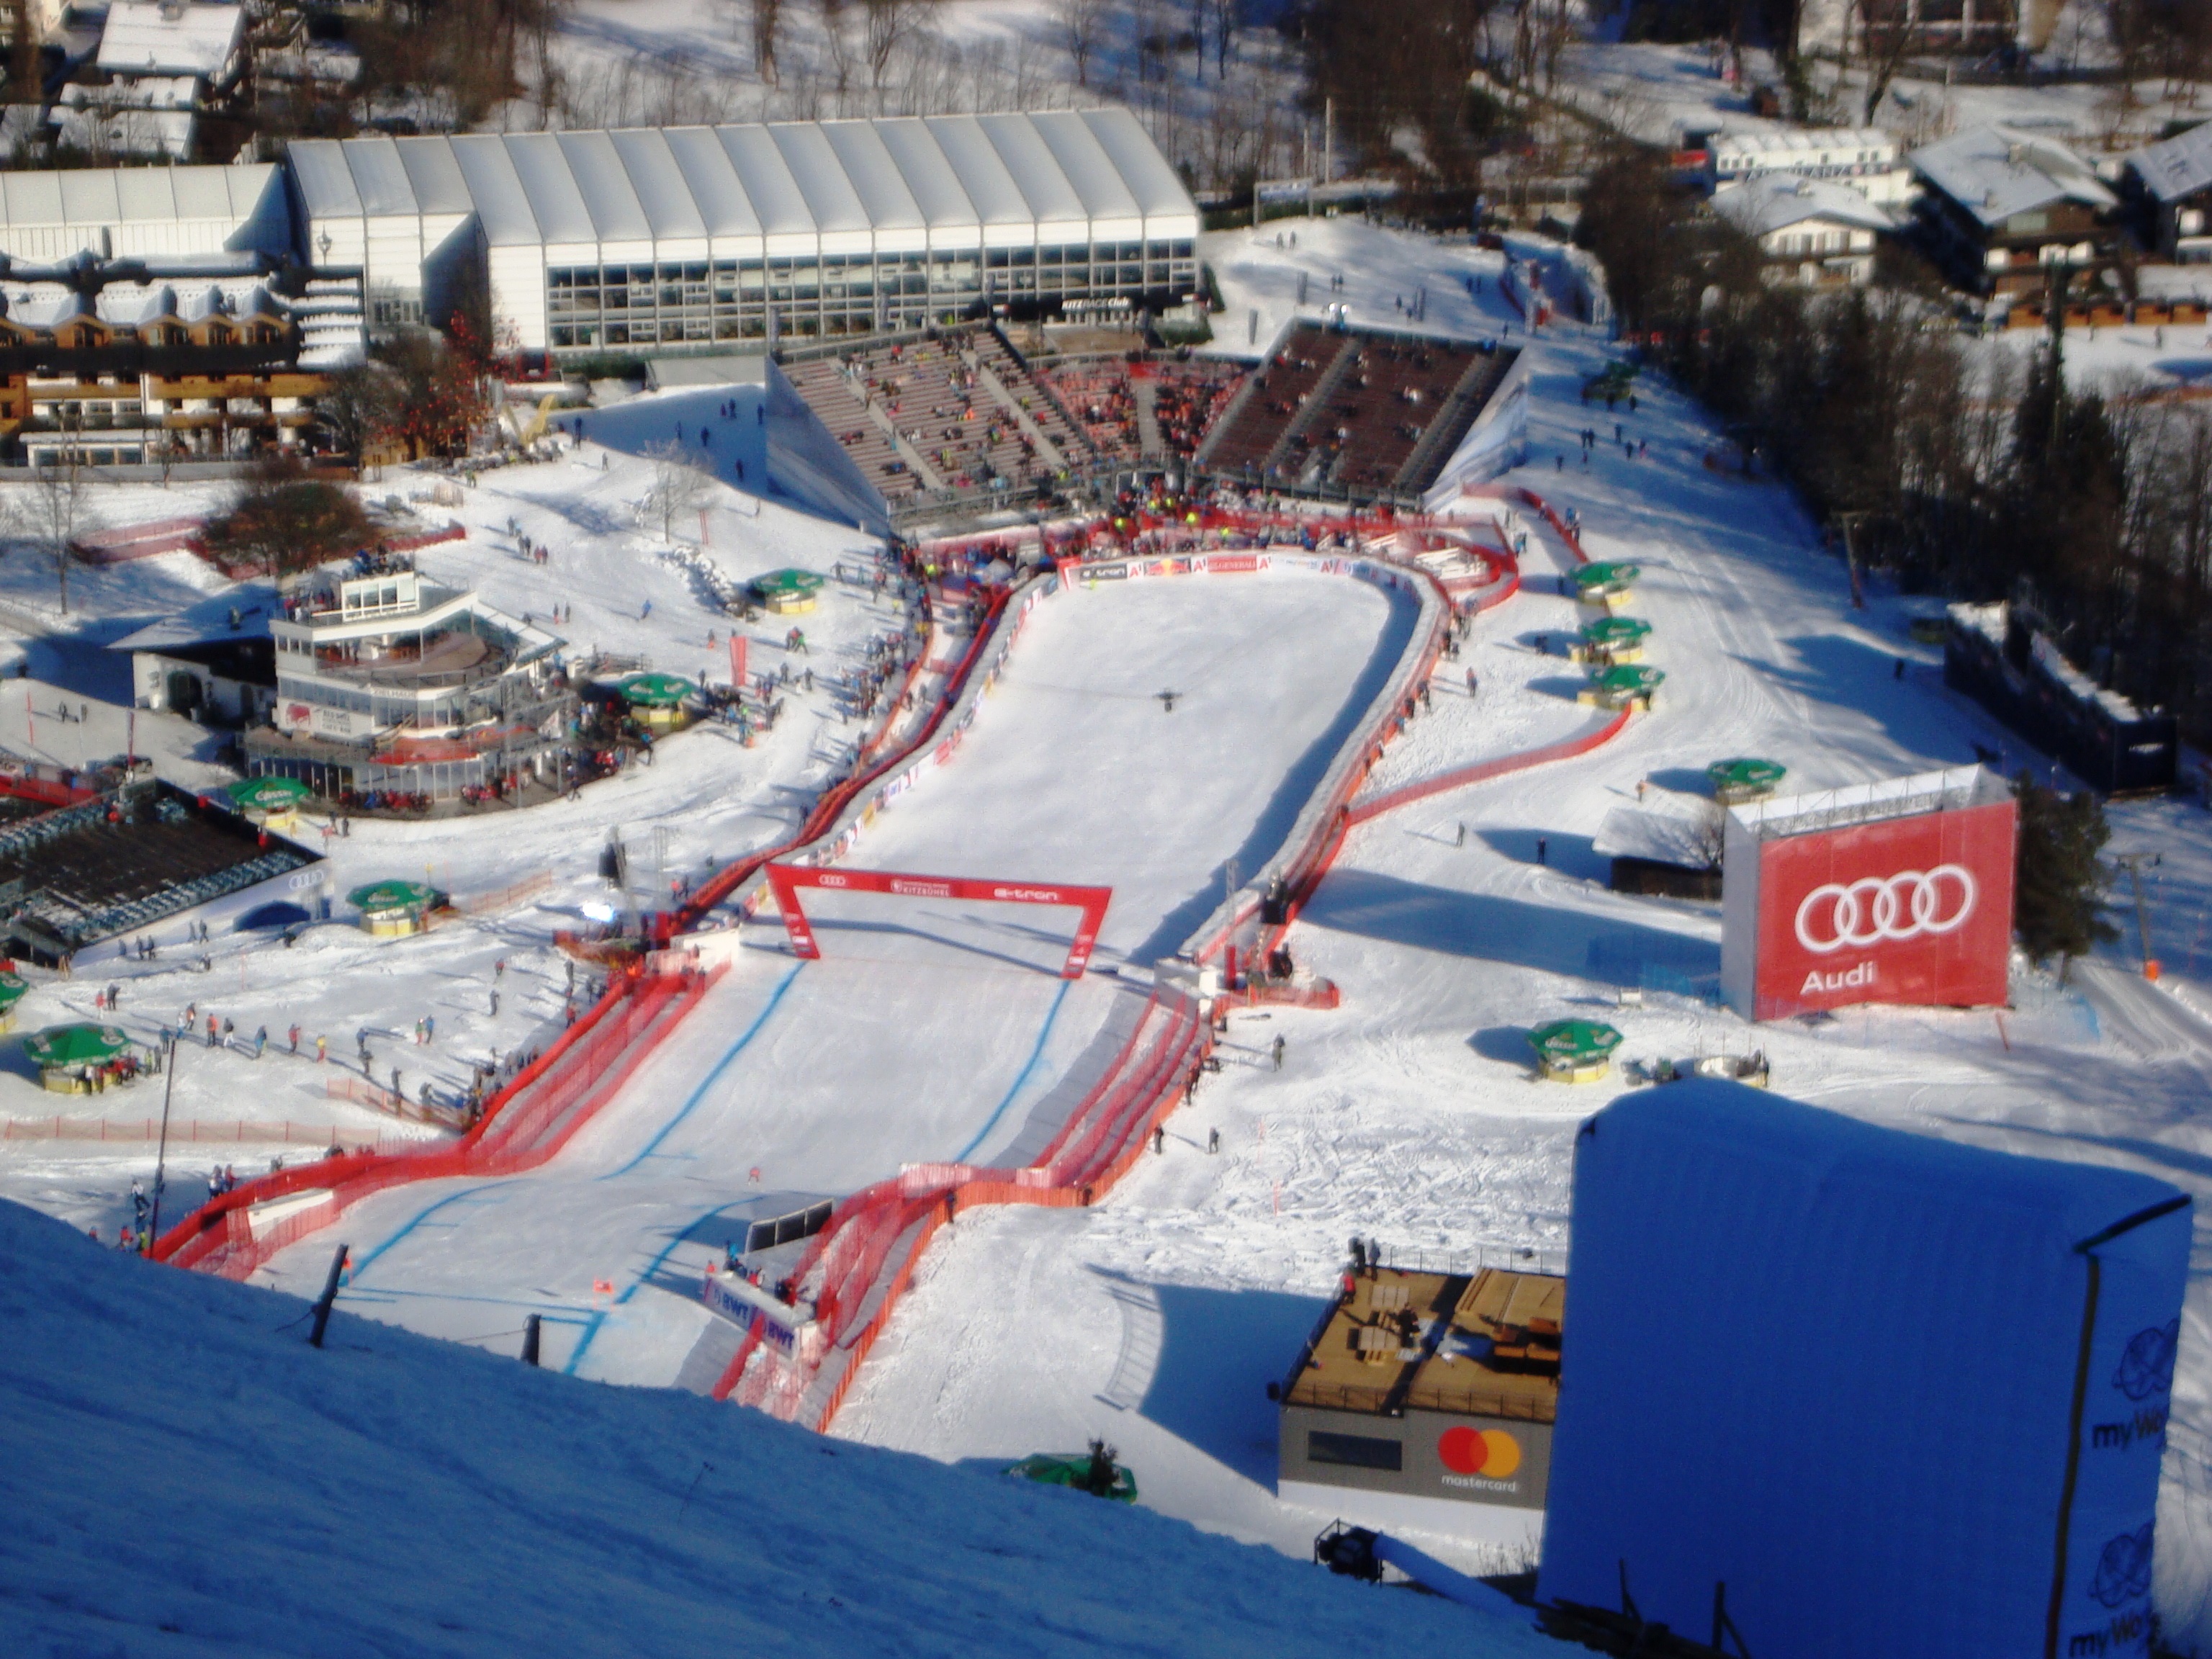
pixel 1897 892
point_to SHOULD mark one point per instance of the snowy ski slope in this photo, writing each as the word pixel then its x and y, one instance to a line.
pixel 391 1496
pixel 929 1031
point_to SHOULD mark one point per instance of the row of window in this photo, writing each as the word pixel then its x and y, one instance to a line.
pixel 382 708
pixel 635 305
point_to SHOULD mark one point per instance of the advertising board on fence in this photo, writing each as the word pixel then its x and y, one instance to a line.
pixel 1899 891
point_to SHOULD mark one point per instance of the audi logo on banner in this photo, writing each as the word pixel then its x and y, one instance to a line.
pixel 1872 909
pixel 1913 909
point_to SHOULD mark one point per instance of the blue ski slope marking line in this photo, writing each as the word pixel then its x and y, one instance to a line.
pixel 708 1081
pixel 369 1261
pixel 1030 1066
pixel 599 1316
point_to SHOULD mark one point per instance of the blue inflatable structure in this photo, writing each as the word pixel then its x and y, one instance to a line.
pixel 1867 1392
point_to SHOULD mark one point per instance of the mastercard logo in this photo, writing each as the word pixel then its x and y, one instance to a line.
pixel 1491 1452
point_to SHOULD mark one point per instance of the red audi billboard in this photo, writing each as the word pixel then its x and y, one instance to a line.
pixel 1905 898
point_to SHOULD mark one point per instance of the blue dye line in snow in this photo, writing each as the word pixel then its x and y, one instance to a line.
pixel 1035 1055
pixel 599 1317
pixel 708 1081
pixel 369 1260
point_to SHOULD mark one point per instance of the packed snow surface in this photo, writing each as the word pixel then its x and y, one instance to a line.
pixel 1157 1317
pixel 186 1476
pixel 930 1030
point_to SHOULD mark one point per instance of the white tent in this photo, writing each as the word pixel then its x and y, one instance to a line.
pixel 688 236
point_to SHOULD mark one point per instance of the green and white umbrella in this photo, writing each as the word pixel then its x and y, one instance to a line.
pixel 788 585
pixel 392 895
pixel 1596 580
pixel 1745 777
pixel 266 794
pixel 656 690
pixel 1613 633
pixel 1574 1042
pixel 75 1045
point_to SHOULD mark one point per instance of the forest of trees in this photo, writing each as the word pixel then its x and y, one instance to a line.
pixel 1976 471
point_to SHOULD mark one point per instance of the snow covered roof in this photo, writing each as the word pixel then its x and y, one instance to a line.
pixel 1069 173
pixel 1950 790
pixel 1994 622
pixel 1675 828
pixel 236 613
pixel 2178 167
pixel 111 124
pixel 733 368
pixel 149 37
pixel 134 92
pixel 1995 172
pixel 130 212
pixel 1776 201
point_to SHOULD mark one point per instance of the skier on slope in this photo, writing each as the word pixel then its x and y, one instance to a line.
pixel 1276 1049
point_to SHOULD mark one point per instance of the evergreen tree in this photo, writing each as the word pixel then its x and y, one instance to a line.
pixel 2059 883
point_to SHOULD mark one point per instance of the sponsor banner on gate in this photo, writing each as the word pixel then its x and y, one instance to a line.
pixel 1914 909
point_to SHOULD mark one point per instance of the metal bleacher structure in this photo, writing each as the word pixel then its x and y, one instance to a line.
pixel 122 863
pixel 956 423
pixel 940 419
pixel 1371 414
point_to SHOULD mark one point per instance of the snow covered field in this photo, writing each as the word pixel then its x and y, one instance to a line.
pixel 186 1476
pixel 1409 1115
pixel 930 1031
pixel 706 800
pixel 935 1030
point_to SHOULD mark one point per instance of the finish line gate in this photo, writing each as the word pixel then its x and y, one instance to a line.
pixel 785 881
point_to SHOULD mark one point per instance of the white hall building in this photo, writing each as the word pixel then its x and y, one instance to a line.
pixel 685 237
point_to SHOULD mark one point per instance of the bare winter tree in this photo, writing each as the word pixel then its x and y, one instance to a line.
pixel 1082 26
pixel 50 512
pixel 1223 15
pixel 1889 40
pixel 890 28
pixel 679 487
pixel 836 47
pixel 362 407
pixel 768 23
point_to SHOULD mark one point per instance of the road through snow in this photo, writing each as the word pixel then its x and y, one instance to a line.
pixel 930 1029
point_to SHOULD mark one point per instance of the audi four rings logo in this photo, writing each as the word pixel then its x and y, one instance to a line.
pixel 1871 909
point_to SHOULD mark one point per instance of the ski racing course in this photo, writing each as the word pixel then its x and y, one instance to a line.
pixel 930 1032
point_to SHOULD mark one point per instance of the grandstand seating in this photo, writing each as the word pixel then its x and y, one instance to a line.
pixel 935 391
pixel 120 863
pixel 1105 395
pixel 1367 412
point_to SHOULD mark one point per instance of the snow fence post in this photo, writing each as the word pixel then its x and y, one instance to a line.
pixel 330 1295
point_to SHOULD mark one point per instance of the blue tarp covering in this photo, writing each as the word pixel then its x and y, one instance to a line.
pixel 1833 1367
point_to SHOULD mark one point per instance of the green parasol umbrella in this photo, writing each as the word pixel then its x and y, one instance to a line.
pixel 75 1045
pixel 266 794
pixel 392 895
pixel 656 690
pixel 1574 1042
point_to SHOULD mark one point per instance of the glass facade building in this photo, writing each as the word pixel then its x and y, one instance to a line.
pixel 683 237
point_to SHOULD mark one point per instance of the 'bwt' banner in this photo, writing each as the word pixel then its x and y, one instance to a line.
pixel 1915 909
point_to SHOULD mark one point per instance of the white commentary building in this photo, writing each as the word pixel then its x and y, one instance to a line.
pixel 687 236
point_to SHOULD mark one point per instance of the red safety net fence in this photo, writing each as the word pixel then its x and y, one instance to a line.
pixel 858 1265
pixel 525 1124
pixel 1389 800
pixel 533 1116
pixel 857 1268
